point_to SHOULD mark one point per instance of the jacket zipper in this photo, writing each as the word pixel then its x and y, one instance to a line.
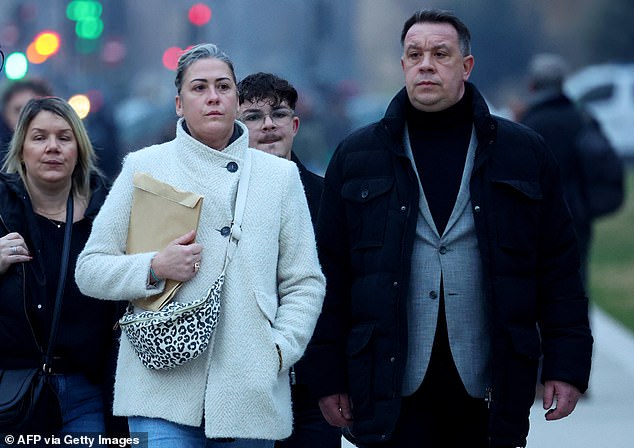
pixel 488 397
pixel 166 315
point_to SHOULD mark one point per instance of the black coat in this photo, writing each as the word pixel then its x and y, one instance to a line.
pixel 366 231
pixel 86 325
pixel 559 121
pixel 313 187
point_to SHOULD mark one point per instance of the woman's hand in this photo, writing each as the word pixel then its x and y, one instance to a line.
pixel 180 260
pixel 12 250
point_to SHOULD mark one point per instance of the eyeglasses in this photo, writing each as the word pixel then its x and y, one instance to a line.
pixel 279 117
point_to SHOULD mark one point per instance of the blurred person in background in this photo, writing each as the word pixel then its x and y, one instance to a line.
pixel 564 126
pixel 104 135
pixel 50 157
pixel 451 264
pixel 267 108
pixel 13 99
pixel 237 393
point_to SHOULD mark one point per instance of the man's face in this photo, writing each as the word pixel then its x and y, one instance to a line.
pixel 435 70
pixel 272 128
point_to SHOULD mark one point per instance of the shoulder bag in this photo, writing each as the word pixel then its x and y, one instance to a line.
pixel 180 332
pixel 28 402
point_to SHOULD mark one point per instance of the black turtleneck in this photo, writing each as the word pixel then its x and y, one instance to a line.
pixel 439 142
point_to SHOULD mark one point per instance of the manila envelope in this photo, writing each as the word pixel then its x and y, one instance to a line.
pixel 160 213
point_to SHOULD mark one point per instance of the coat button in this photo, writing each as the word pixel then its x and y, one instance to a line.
pixel 476 209
pixel 364 193
pixel 433 295
pixel 225 231
pixel 395 284
pixel 392 359
pixel 403 209
pixel 442 250
pixel 232 167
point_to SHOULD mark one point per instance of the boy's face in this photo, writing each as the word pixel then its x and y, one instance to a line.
pixel 272 128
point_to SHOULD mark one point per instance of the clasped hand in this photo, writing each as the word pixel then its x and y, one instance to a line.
pixel 179 260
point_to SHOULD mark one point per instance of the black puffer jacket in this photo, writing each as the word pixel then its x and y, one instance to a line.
pixel 529 256
pixel 85 331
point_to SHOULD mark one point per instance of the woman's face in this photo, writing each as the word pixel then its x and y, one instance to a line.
pixel 49 151
pixel 208 101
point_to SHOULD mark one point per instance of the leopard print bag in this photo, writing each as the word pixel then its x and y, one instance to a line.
pixel 176 334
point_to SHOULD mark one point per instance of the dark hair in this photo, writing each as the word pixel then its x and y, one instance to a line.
pixel 440 16
pixel 38 86
pixel 266 86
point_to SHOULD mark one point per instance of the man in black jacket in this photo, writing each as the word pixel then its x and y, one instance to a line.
pixel 451 266
pixel 267 107
pixel 563 125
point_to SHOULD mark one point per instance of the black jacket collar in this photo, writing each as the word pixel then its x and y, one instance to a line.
pixel 98 188
pixel 485 124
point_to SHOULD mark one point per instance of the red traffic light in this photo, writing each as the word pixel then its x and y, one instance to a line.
pixel 170 57
pixel 199 14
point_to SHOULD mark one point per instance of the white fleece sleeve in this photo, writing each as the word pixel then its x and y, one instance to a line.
pixel 103 269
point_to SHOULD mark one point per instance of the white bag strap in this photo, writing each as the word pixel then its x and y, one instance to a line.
pixel 241 200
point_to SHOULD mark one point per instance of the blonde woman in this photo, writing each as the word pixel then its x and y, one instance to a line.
pixel 50 158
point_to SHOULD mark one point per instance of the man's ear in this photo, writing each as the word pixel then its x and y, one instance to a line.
pixel 295 124
pixel 467 64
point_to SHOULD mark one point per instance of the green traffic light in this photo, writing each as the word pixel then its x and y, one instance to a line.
pixel 16 66
pixel 79 10
pixel 90 28
pixel 86 14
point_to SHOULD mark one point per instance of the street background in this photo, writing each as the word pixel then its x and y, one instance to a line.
pixel 343 56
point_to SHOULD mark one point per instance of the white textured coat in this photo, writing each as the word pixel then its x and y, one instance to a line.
pixel 273 291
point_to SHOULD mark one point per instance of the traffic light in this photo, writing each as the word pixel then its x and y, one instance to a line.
pixel 87 15
pixel 199 14
pixel 33 56
pixel 81 104
pixel 16 65
pixel 46 43
pixel 170 57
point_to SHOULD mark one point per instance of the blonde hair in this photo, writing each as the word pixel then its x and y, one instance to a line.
pixel 86 157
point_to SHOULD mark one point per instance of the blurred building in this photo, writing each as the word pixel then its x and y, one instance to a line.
pixel 343 56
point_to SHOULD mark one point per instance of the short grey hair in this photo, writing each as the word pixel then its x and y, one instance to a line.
pixel 200 51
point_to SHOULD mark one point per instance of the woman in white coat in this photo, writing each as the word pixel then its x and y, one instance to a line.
pixel 236 394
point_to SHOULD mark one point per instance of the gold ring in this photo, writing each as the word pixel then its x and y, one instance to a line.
pixel 196 266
